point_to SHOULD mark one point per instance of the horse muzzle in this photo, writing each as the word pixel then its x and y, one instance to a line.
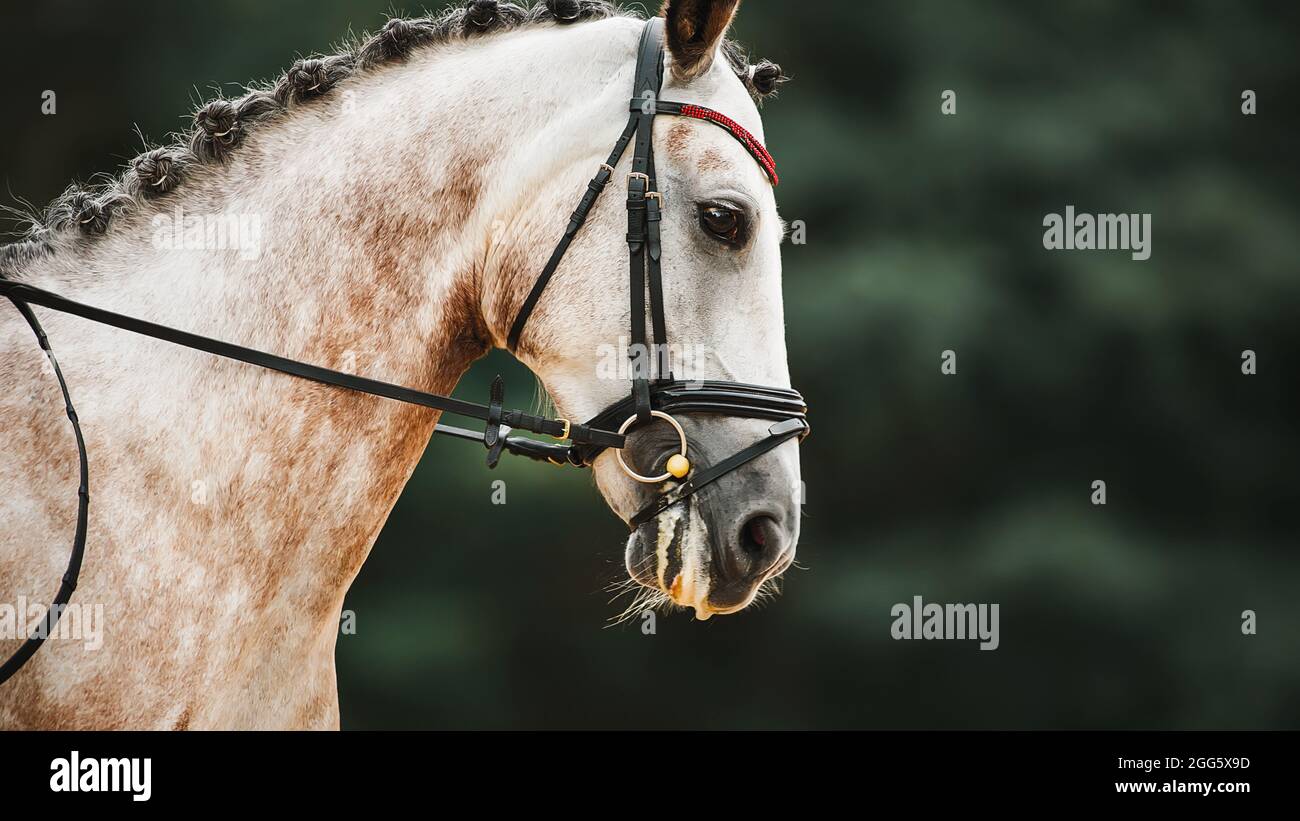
pixel 714 551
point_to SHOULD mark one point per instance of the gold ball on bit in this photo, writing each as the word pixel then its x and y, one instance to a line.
pixel 678 465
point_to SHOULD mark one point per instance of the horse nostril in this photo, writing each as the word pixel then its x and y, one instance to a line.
pixel 756 534
pixel 742 562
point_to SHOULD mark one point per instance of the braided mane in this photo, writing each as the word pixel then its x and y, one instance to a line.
pixel 220 125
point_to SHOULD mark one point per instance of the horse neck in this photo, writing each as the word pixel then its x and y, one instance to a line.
pixel 373 251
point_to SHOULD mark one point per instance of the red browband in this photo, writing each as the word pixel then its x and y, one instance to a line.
pixel 751 143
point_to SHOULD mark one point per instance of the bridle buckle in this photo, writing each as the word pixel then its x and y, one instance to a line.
pixel 564 434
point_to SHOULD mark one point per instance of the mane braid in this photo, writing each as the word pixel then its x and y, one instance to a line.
pixel 83 212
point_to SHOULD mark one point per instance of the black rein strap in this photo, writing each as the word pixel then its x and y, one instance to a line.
pixel 46 627
pixel 19 292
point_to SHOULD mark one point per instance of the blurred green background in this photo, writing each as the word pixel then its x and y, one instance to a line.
pixel 924 234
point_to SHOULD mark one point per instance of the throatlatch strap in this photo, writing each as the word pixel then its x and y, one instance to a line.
pixel 46 627
pixel 576 221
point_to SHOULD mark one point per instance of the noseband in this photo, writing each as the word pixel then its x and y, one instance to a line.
pixel 659 397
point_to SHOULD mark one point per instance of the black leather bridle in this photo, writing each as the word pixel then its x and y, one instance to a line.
pixel 652 396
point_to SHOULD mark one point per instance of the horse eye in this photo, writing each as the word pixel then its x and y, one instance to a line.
pixel 727 224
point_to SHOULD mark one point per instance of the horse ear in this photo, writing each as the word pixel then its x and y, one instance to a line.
pixel 695 29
